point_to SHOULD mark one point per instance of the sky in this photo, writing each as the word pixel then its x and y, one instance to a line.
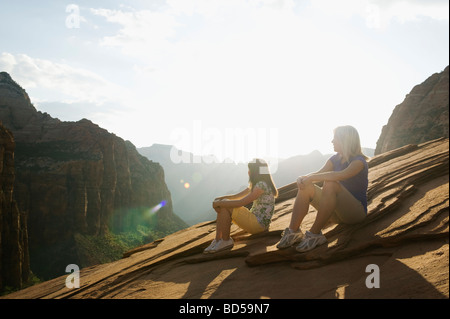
pixel 234 78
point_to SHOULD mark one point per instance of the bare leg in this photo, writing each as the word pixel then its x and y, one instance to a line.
pixel 223 223
pixel 301 206
pixel 327 206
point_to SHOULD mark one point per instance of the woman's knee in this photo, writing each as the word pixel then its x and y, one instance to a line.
pixel 305 190
pixel 331 187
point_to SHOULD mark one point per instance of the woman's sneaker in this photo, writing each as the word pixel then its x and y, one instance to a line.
pixel 208 249
pixel 311 241
pixel 289 238
pixel 222 245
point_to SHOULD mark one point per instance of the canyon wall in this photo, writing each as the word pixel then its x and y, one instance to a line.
pixel 76 178
pixel 14 259
pixel 421 117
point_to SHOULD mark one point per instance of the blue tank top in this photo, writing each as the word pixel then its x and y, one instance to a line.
pixel 356 185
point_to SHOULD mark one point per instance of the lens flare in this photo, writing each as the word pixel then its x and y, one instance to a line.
pixel 158 207
pixel 187 185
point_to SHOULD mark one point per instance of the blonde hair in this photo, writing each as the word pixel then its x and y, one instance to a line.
pixel 349 138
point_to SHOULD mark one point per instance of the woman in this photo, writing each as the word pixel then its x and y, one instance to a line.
pixel 261 191
pixel 343 197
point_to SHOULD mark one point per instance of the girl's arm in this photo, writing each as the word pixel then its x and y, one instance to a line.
pixel 250 197
pixel 235 196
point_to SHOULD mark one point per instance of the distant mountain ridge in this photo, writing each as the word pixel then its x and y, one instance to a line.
pixel 206 181
pixel 209 178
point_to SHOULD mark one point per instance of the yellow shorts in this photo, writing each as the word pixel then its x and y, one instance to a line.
pixel 246 220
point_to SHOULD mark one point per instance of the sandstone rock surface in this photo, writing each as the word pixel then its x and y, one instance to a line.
pixel 405 235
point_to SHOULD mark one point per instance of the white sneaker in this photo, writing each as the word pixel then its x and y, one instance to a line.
pixel 208 249
pixel 222 245
pixel 289 238
pixel 311 241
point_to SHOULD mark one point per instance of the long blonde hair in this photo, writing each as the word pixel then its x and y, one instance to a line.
pixel 349 138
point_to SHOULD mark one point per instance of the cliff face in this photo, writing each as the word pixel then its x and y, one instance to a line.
pixel 421 117
pixel 14 261
pixel 76 178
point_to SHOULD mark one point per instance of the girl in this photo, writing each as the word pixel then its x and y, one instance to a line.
pixel 343 196
pixel 261 191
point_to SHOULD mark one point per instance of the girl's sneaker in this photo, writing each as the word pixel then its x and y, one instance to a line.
pixel 222 245
pixel 311 241
pixel 289 238
pixel 208 249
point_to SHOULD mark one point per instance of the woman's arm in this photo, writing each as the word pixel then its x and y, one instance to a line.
pixel 250 197
pixel 328 167
pixel 235 196
pixel 354 168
